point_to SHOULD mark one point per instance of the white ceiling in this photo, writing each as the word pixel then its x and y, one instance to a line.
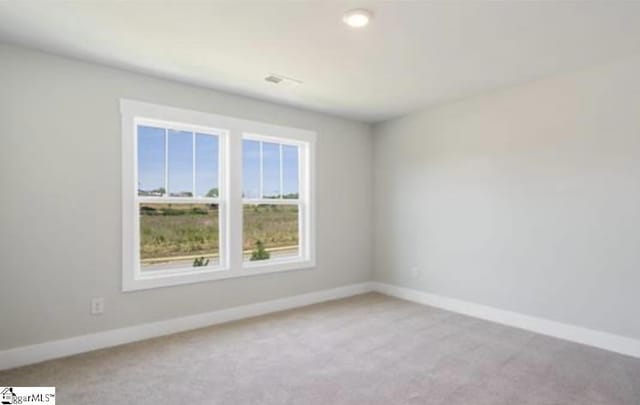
pixel 414 54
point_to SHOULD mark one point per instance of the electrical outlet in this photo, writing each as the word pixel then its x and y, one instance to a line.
pixel 416 273
pixel 97 306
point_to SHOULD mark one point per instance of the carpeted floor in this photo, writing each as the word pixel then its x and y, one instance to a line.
pixel 369 349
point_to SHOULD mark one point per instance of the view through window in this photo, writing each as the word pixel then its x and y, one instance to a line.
pixel 271 203
pixel 178 190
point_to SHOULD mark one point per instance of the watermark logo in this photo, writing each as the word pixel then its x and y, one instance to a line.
pixel 27 395
pixel 8 395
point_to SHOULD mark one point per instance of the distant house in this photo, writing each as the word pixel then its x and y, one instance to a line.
pixel 182 194
pixel 151 193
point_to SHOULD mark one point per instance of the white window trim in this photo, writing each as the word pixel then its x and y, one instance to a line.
pixel 231 131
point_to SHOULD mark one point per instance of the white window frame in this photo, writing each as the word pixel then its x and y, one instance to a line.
pixel 231 132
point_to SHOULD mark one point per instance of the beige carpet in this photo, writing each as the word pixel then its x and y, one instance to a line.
pixel 369 349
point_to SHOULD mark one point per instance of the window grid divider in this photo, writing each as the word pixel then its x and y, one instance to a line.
pixel 193 164
pixel 281 194
pixel 166 162
pixel 261 171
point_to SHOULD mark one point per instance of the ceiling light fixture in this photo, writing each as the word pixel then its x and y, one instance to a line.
pixel 357 18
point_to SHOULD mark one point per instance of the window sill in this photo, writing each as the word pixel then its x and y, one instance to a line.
pixel 175 277
pixel 272 266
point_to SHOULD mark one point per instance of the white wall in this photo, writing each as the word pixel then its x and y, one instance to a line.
pixel 60 200
pixel 526 199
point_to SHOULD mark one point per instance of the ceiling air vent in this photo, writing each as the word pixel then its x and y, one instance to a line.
pixel 282 80
pixel 273 79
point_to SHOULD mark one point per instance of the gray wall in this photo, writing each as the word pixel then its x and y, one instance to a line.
pixel 60 200
pixel 526 199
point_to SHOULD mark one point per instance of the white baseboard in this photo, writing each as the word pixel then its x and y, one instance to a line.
pixel 24 355
pixel 21 356
pixel 602 340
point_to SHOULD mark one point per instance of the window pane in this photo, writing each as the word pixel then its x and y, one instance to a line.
pixel 151 161
pixel 207 165
pixel 251 169
pixel 178 236
pixel 290 171
pixel 270 170
pixel 180 163
pixel 270 232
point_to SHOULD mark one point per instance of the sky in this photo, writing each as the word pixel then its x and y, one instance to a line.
pixel 151 164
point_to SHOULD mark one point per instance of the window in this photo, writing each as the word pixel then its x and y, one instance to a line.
pixel 178 197
pixel 273 212
pixel 209 197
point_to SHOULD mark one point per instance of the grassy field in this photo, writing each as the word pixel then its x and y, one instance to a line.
pixel 274 225
pixel 171 230
pixel 178 230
